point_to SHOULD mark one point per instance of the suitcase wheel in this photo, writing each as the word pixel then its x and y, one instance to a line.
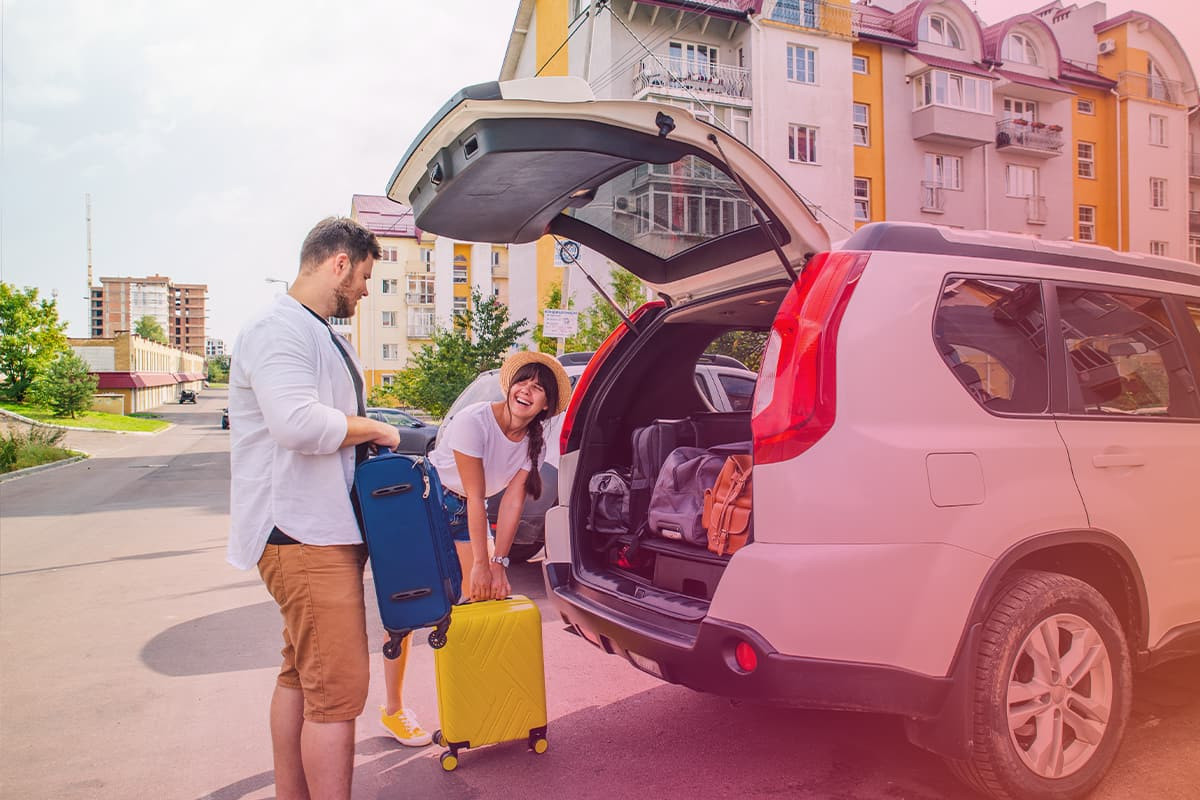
pixel 437 738
pixel 539 746
pixel 437 639
pixel 449 761
pixel 391 650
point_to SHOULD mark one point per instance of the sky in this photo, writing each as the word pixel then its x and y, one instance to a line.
pixel 212 135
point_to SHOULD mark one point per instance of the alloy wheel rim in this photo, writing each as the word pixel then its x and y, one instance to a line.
pixel 1060 694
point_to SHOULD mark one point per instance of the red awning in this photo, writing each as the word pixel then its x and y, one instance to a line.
pixel 139 380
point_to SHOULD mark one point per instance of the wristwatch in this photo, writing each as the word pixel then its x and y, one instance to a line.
pixel 501 560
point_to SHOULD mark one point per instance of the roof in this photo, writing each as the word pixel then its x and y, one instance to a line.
pixel 968 67
pixel 1033 80
pixel 1117 21
pixel 384 217
pixel 729 9
pixel 880 24
pixel 1077 74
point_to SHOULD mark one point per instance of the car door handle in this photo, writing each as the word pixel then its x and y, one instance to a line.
pixel 1105 460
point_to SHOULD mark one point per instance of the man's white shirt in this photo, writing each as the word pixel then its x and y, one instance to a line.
pixel 289 394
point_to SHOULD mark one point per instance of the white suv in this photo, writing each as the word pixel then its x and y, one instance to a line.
pixel 976 454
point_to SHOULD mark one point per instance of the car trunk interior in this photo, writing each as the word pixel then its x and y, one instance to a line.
pixel 653 379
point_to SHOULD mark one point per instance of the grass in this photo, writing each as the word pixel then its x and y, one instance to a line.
pixel 144 423
pixel 213 385
pixel 21 450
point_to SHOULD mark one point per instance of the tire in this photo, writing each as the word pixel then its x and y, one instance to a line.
pixel 1052 693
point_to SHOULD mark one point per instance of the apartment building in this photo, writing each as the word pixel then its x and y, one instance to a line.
pixel 213 347
pixel 1059 123
pixel 417 285
pixel 179 308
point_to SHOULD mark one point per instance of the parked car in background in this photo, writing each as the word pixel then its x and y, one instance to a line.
pixel 416 436
pixel 224 419
pixel 187 396
pixel 722 382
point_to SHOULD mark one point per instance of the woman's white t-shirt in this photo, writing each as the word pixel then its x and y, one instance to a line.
pixel 474 431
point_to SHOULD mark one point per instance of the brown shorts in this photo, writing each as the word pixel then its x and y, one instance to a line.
pixel 320 595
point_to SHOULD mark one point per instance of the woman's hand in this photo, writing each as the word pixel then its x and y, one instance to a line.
pixel 500 587
pixel 481 581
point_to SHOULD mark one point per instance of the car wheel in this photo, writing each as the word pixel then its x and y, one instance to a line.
pixel 1053 687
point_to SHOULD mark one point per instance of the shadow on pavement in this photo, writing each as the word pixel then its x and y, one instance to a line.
pixel 228 641
pixel 134 557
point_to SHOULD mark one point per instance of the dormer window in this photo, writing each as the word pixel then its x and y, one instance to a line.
pixel 1019 48
pixel 937 29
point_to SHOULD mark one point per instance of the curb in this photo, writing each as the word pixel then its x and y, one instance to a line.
pixel 4 412
pixel 21 473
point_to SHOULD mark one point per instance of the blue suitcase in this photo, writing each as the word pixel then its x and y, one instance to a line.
pixel 417 575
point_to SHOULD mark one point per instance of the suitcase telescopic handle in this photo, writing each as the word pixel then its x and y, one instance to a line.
pixel 388 491
pixel 412 594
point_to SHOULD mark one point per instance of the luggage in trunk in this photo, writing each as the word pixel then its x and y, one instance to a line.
pixel 415 566
pixel 491 683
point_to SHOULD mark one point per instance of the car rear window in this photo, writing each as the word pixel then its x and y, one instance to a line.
pixel 992 336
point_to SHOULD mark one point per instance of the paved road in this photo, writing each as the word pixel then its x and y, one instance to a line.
pixel 135 663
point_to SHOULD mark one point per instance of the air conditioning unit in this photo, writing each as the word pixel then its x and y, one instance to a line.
pixel 1107 46
pixel 621 203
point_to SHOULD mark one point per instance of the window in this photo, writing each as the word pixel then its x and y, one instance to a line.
pixel 1020 109
pixel 1085 159
pixel 943 171
pixel 391 352
pixel 420 322
pixel 802 144
pixel 427 256
pixel 1020 181
pixel 389 286
pixel 1157 84
pixel 388 254
pixel 460 304
pixel 460 274
pixel 859 65
pixel 495 258
pixel 1087 223
pixel 1158 130
pixel 1085 107
pixel 797 12
pixel 1158 248
pixel 1125 359
pixel 992 337
pixel 1194 249
pixel 862 199
pixel 862 125
pixel 692 60
pixel 1158 192
pixel 1019 48
pixel 936 29
pixel 420 289
pixel 389 319
pixel 801 64
pixel 738 389
pixel 940 88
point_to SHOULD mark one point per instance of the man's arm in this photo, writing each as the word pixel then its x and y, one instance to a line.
pixel 362 429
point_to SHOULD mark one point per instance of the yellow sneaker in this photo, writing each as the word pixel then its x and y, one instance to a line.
pixel 404 727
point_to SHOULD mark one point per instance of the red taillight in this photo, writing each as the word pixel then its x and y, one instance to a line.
pixel 745 657
pixel 795 399
pixel 593 367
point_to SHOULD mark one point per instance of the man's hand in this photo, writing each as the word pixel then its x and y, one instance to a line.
pixel 387 435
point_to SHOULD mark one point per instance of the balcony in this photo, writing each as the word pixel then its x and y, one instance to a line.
pixel 1194 222
pixel 1035 210
pixel 817 15
pixel 1018 136
pixel 420 331
pixel 1194 165
pixel 499 271
pixel 953 126
pixel 661 73
pixel 1140 86
pixel 418 299
pixel 933 197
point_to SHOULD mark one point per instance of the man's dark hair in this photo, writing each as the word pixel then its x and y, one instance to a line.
pixel 334 235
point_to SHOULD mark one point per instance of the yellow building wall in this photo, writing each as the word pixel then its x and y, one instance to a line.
pixel 1111 66
pixel 1101 191
pixel 463 251
pixel 869 161
pixel 552 25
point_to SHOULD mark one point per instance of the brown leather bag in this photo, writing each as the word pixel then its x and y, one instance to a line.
pixel 727 506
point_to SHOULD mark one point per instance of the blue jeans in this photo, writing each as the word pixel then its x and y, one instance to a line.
pixel 456 517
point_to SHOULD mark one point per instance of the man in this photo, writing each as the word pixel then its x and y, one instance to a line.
pixel 295 404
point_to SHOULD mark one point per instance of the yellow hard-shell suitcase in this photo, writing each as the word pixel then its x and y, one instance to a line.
pixel 491 684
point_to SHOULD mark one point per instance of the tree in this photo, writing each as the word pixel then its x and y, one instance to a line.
pixel 31 337
pixel 478 339
pixel 599 319
pixel 148 328
pixel 66 387
pixel 218 369
pixel 745 346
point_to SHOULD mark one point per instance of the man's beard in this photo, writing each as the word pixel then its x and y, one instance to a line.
pixel 343 301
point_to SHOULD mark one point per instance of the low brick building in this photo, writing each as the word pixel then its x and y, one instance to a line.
pixel 146 374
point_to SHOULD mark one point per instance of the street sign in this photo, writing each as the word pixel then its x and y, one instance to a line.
pixel 560 323
pixel 566 253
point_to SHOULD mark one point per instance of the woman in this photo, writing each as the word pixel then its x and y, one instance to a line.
pixel 484 449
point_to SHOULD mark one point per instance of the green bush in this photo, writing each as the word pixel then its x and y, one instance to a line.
pixel 38 445
pixel 66 387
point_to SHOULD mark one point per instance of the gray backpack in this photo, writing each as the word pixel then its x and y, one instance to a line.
pixel 677 502
pixel 609 493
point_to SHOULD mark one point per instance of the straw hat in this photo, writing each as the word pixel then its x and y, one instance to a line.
pixel 517 360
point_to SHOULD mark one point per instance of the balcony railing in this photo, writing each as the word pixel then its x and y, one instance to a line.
pixel 418 299
pixel 420 331
pixel 1194 165
pixel 1035 210
pixel 933 198
pixel 664 72
pixel 812 14
pixel 1019 133
pixel 1141 86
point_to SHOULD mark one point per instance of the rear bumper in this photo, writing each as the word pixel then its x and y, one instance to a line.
pixel 702 658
